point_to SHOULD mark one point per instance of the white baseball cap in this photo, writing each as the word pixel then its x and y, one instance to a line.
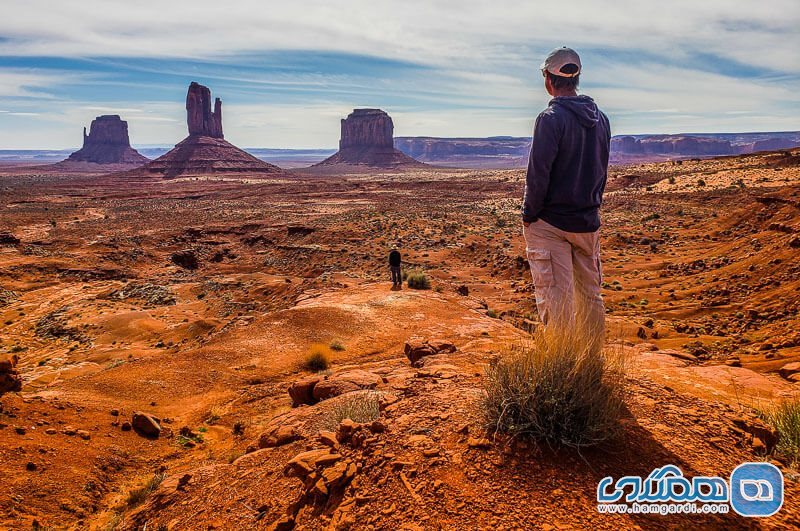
pixel 563 62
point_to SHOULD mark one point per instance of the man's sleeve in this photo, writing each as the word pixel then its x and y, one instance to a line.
pixel 543 152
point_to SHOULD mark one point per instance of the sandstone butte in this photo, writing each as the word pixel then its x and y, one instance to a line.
pixel 368 140
pixel 205 151
pixel 107 143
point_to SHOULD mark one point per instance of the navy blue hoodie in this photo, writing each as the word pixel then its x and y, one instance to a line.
pixel 568 165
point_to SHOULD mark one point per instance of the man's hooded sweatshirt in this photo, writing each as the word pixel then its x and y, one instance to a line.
pixel 568 165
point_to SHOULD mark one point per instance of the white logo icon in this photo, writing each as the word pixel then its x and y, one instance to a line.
pixel 763 490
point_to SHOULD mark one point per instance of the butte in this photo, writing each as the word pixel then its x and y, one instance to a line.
pixel 368 140
pixel 205 151
pixel 106 146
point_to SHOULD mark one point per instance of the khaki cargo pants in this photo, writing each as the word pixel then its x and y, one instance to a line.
pixel 567 274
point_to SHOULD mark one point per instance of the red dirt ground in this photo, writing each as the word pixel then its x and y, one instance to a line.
pixel 700 280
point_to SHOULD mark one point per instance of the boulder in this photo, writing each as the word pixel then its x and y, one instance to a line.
pixel 278 436
pixel 789 369
pixel 305 463
pixel 441 346
pixel 8 362
pixel 416 348
pixel 146 424
pixel 9 376
pixel 758 429
pixel 344 382
pixel 302 391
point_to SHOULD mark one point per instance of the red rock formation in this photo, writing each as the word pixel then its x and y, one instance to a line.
pixel 671 145
pixel 205 151
pixel 367 127
pixel 107 143
pixel 367 139
pixel 770 144
pixel 201 120
pixel 9 376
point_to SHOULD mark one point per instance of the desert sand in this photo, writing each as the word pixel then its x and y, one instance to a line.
pixel 195 301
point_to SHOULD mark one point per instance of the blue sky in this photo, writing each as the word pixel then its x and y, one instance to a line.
pixel 287 72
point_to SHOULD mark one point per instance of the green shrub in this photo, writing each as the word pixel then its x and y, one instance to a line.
pixel 418 280
pixel 558 390
pixel 337 345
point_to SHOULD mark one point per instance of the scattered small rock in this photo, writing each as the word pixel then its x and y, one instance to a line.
pixel 482 443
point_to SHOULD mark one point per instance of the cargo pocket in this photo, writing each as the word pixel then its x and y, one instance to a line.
pixel 599 266
pixel 541 267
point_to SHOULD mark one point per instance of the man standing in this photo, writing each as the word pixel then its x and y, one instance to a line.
pixel 395 261
pixel 564 186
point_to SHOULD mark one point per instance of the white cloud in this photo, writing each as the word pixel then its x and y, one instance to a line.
pixel 435 32
pixel 654 66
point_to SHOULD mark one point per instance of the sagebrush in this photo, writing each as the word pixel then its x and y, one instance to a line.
pixel 418 280
pixel 560 389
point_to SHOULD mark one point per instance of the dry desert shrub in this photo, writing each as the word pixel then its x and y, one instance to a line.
pixel 418 280
pixel 359 406
pixel 318 358
pixel 558 390
pixel 137 496
pixel 785 418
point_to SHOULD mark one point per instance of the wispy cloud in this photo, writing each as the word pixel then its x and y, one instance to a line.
pixel 288 71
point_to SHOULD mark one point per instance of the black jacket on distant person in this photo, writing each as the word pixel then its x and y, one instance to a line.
pixel 568 165
pixel 394 259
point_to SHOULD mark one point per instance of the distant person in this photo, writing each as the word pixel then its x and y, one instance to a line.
pixel 564 186
pixel 395 263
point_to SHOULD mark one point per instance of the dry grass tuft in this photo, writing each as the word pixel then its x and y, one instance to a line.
pixel 137 497
pixel 418 280
pixel 318 358
pixel 359 407
pixel 785 418
pixel 557 390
